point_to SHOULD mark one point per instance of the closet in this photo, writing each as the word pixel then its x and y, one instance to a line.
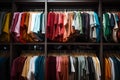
pixel 57 37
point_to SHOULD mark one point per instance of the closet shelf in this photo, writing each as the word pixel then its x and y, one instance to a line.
pixel 4 43
pixel 111 44
pixel 74 43
pixel 5 4
pixel 73 1
pixel 5 1
pixel 28 43
pixel 34 1
pixel 110 1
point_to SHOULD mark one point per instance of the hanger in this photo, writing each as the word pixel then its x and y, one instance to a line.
pixel 4 52
pixel 33 51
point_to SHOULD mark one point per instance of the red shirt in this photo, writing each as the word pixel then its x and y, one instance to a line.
pixel 17 68
pixel 22 28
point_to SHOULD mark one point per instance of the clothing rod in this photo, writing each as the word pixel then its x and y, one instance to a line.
pixel 35 9
pixel 5 9
pixel 110 10
pixel 71 9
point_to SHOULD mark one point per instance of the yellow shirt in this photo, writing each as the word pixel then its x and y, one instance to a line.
pixel 7 23
pixel 5 36
pixel 26 67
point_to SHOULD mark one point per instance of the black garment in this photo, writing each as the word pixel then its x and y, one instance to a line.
pixel 112 21
pixel 112 24
pixel 117 68
pixel 83 22
pixel 91 69
pixel 69 64
pixel 4 68
pixel 87 26
pixel 83 37
pixel 2 20
pixel 75 65
pixel 76 68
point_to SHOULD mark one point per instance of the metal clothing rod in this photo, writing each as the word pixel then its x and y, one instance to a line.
pixel 4 9
pixel 68 9
pixel 32 9
pixel 112 10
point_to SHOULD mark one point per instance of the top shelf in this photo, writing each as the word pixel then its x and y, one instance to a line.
pixel 73 1
pixel 56 0
pixel 5 4
pixel 27 1
pixel 110 1
pixel 5 1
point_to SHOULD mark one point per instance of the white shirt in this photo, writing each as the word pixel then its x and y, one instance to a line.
pixel 43 23
pixel 31 71
pixel 112 69
pixel 72 66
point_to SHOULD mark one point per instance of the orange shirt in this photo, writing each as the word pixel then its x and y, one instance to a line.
pixel 107 69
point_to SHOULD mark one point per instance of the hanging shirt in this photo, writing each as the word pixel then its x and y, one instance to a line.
pixel 72 66
pixel 76 23
pixel 112 69
pixel 2 20
pixel 97 68
pixel 17 67
pixel 81 67
pixel 26 67
pixel 29 23
pixel 97 24
pixel 17 27
pixel 23 28
pixel 37 22
pixel 4 68
pixel 5 37
pixel 43 24
pixel 92 26
pixel 51 68
pixel 39 68
pixel 106 27
pixel 14 21
pixel 115 28
pixel 91 68
pixel 31 72
pixel 7 23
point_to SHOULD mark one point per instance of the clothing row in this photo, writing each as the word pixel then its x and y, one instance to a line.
pixel 112 68
pixel 28 68
pixel 64 25
pixel 4 26
pixel 111 26
pixel 28 26
pixel 73 68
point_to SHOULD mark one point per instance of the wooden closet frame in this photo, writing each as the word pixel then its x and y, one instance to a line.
pixel 48 3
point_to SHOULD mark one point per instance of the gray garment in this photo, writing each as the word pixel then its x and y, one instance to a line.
pixel 2 20
pixel 81 68
pixel 73 75
pixel 87 69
